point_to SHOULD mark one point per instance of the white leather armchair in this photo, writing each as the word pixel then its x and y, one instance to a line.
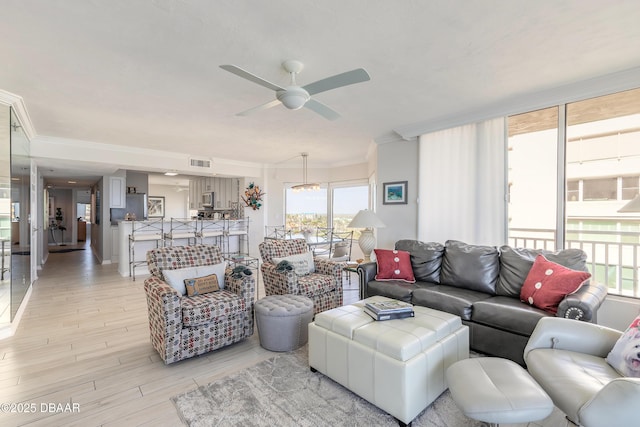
pixel 567 358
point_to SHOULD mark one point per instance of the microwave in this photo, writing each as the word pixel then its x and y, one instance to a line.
pixel 208 199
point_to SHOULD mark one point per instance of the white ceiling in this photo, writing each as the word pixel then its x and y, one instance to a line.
pixel 146 72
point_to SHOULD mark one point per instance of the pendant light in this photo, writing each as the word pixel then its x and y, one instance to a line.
pixel 305 186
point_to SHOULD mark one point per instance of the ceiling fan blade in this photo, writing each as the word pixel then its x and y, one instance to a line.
pixel 322 109
pixel 347 78
pixel 252 77
pixel 264 106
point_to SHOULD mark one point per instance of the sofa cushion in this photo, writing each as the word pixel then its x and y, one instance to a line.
pixel 625 355
pixel 507 314
pixel 470 266
pixel 393 265
pixel 302 263
pixel 515 264
pixel 450 299
pixel 548 283
pixel 426 258
pixel 213 307
pixel 395 289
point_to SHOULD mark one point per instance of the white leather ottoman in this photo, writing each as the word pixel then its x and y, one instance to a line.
pixel 397 365
pixel 497 390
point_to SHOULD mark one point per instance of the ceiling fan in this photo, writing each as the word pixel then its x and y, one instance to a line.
pixel 295 97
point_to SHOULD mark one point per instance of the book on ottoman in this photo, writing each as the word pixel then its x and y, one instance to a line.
pixel 387 310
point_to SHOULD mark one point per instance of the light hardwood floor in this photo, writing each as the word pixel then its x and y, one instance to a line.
pixel 84 339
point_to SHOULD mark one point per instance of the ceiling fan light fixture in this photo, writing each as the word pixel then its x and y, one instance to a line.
pixel 293 97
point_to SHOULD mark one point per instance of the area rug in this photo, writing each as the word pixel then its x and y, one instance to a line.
pixel 62 251
pixel 283 391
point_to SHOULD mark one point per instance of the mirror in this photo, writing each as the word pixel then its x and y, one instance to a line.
pixel 20 214
pixel 5 216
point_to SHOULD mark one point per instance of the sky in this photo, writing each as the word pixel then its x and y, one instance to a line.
pixel 346 200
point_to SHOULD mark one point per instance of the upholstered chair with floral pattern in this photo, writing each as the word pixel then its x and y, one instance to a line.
pixel 184 326
pixel 317 278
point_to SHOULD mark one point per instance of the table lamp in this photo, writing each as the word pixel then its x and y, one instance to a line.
pixel 368 221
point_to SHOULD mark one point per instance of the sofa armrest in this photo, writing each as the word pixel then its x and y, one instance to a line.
pixel 331 268
pixel 615 405
pixel 165 316
pixel 244 287
pixel 366 273
pixel 278 283
pixel 572 335
pixel 584 303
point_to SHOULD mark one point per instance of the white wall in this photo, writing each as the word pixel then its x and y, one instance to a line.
pixel 176 203
pixel 397 161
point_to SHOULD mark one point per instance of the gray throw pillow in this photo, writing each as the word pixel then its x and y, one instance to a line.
pixel 515 264
pixel 426 258
pixel 472 267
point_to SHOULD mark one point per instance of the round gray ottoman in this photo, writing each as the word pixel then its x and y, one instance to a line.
pixel 283 321
pixel 496 391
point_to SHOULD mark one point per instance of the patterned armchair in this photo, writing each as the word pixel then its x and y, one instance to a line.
pixel 182 326
pixel 324 286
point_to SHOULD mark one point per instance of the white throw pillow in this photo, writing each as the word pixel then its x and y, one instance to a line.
pixel 175 278
pixel 625 354
pixel 302 263
pixel 217 269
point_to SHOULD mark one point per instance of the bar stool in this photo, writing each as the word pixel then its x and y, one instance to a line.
pixel 211 228
pixel 238 228
pixel 143 231
pixel 181 228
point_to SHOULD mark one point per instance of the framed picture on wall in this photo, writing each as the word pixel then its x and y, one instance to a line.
pixel 155 207
pixel 394 193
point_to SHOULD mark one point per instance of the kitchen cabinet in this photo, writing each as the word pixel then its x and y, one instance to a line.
pixel 117 186
pixel 226 191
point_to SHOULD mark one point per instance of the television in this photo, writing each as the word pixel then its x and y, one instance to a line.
pixel 208 199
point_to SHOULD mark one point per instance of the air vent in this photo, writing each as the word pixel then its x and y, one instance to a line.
pixel 200 163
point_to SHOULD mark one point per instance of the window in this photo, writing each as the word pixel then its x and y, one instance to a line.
pixel 306 209
pixel 347 202
pixel 601 170
pixel 533 177
pixel 630 187
pixel 600 189
pixel 573 191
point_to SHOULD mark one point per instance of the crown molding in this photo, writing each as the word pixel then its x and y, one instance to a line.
pixel 522 103
pixel 17 103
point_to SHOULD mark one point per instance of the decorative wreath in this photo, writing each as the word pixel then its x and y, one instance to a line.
pixel 253 196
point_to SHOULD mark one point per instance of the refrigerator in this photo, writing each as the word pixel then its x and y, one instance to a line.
pixel 136 205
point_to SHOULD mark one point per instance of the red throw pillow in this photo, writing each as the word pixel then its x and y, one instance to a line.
pixel 548 283
pixel 394 265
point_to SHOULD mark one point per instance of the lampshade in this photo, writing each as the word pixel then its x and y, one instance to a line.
pixel 632 206
pixel 366 219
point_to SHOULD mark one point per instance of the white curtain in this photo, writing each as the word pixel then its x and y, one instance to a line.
pixel 462 184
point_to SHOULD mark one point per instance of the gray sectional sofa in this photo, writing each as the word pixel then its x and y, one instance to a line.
pixel 481 284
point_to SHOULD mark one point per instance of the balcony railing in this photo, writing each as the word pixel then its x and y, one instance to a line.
pixel 613 257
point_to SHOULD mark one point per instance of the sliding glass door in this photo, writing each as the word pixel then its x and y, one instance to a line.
pixel 574 180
